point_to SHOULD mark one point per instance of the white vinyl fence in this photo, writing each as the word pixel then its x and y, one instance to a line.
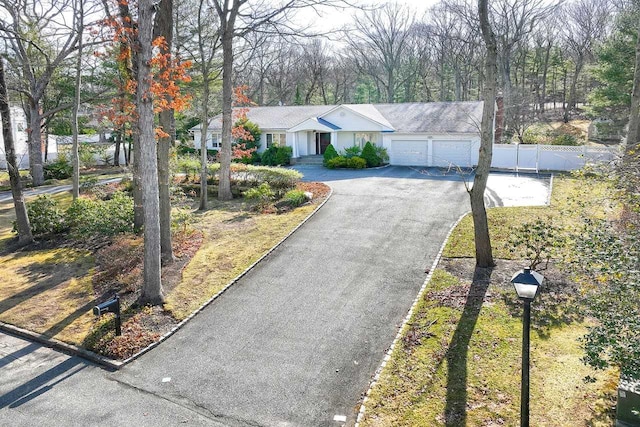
pixel 525 157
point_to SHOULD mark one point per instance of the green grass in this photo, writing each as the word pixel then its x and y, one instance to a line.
pixel 51 291
pixel 458 363
pixel 572 199
pixel 234 238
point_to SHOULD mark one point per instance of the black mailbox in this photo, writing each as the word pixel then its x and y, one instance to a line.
pixel 110 306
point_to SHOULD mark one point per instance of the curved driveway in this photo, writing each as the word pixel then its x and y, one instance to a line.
pixel 297 340
pixel 294 343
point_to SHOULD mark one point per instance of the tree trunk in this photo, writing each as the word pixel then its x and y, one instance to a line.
pixel 164 28
pixel 75 155
pixel 573 91
pixel 545 70
pixel 484 255
pixel 631 153
pixel 147 162
pixel 35 143
pixel 204 120
pixel 224 185
pixel 22 219
pixel 116 150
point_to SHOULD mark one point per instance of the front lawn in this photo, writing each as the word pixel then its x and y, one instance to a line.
pixel 51 286
pixel 458 362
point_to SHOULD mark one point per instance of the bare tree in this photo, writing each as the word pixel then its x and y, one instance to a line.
pixel 75 155
pixel 40 41
pixel 22 218
pixel 237 18
pixel 484 254
pixel 201 44
pixel 514 20
pixel 380 45
pixel 585 24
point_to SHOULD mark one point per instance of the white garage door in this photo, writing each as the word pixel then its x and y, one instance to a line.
pixel 408 153
pixel 451 153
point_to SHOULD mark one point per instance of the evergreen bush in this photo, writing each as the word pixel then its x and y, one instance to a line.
pixel 370 156
pixel 45 216
pixel 329 154
pixel 60 168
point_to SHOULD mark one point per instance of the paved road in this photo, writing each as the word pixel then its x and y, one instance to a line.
pixel 5 196
pixel 294 343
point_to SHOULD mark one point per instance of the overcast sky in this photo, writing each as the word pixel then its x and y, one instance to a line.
pixel 335 18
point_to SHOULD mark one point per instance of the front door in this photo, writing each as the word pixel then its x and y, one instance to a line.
pixel 323 139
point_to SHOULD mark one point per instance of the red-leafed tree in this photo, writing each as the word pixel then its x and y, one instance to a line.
pixel 149 72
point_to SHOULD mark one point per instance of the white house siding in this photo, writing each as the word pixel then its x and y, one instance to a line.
pixel 349 121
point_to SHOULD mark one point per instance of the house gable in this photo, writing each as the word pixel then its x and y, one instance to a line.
pixel 348 119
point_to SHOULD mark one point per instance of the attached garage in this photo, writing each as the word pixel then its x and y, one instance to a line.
pixel 409 153
pixel 448 153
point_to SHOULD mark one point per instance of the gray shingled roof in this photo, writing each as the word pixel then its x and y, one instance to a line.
pixel 431 117
pixel 277 117
pixel 434 117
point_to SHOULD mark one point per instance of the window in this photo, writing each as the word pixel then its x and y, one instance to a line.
pixel 361 138
pixel 277 139
pixel 215 141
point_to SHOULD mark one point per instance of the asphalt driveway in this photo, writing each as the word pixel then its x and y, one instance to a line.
pixel 294 343
pixel 297 340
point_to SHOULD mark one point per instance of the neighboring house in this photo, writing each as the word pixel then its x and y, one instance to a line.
pixel 19 130
pixel 414 134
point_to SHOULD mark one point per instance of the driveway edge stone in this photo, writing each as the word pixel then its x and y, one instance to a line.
pixel 115 364
pixel 63 347
pixel 389 352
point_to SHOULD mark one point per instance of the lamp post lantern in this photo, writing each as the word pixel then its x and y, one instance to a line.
pixel 526 283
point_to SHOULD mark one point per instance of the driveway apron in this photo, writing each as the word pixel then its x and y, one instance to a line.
pixel 296 341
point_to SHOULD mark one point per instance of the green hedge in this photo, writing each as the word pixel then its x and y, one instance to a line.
pixel 347 162
pixel 277 156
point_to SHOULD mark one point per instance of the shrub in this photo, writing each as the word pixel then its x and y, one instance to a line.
pixel 329 153
pixel 188 165
pixel 277 156
pixel 295 197
pixel 370 156
pixel 87 153
pixel 184 149
pixel 60 168
pixel 356 163
pixel 531 137
pixel 263 194
pixel 382 154
pixel 336 162
pixel 181 219
pixel 536 241
pixel 88 218
pixel 564 139
pixel 45 216
pixel 353 151
pixel 344 162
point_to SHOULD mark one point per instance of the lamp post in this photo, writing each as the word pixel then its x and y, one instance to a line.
pixel 526 283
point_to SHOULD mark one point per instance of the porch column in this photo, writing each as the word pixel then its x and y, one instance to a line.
pixel 334 139
pixel 295 145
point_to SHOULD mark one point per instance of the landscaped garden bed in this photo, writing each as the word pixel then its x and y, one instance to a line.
pixel 50 287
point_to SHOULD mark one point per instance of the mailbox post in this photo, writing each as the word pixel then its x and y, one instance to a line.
pixel 110 306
